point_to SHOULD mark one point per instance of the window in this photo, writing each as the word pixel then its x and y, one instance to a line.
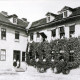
pixel 71 30
pixel 71 58
pixel 48 18
pixel 14 20
pixel 43 55
pixel 3 55
pixel 23 56
pixel 30 55
pixel 31 36
pixel 53 33
pixel 16 35
pixel 65 14
pixel 61 54
pixel 3 33
pixel 62 32
pixel 37 55
pixel 38 35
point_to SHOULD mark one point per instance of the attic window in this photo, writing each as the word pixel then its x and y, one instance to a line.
pixel 48 18
pixel 14 20
pixel 65 14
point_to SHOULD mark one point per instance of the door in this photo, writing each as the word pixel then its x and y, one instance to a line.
pixel 16 58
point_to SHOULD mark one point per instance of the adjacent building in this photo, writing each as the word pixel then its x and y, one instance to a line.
pixel 56 26
pixel 13 41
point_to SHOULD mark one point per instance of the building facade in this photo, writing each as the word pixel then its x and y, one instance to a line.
pixel 13 41
pixel 65 24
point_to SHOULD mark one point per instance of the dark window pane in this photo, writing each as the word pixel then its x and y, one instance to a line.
pixel 71 57
pixel 65 14
pixel 3 33
pixel 38 35
pixel 48 18
pixel 23 56
pixel 14 20
pixel 31 36
pixel 54 32
pixel 16 35
pixel 30 55
pixel 37 55
pixel 72 29
pixel 62 30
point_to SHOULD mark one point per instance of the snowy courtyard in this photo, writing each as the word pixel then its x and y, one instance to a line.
pixel 32 74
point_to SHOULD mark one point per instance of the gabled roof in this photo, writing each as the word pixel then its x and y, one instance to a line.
pixel 20 22
pixel 75 12
pixel 4 18
pixel 38 23
pixel 66 8
pixel 51 14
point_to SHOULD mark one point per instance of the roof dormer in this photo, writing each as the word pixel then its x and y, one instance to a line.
pixel 50 17
pixel 66 11
pixel 4 13
pixel 13 18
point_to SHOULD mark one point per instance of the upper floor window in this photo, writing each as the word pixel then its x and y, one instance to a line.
pixel 62 32
pixel 31 36
pixel 53 33
pixel 16 35
pixel 3 33
pixel 38 35
pixel 65 14
pixel 71 30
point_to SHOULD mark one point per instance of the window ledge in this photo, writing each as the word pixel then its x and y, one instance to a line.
pixel 16 40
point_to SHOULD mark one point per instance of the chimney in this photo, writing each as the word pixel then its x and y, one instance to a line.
pixel 24 19
pixel 4 13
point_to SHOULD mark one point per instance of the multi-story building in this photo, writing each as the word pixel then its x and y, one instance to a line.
pixel 13 40
pixel 56 26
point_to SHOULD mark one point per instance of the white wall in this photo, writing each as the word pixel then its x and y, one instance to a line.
pixel 9 45
pixel 47 31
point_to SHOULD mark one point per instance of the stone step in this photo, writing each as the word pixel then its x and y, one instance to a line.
pixel 20 70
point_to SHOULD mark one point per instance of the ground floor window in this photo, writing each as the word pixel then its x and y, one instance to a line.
pixel 30 55
pixel 71 57
pixel 3 55
pixel 37 55
pixel 23 56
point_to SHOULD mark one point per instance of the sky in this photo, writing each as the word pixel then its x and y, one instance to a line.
pixel 34 10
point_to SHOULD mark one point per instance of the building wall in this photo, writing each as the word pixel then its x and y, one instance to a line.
pixel 47 31
pixel 9 45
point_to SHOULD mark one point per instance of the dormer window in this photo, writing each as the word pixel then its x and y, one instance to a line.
pixel 65 14
pixel 15 20
pixel 66 11
pixel 48 18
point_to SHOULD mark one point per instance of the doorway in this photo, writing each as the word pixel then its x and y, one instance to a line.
pixel 16 58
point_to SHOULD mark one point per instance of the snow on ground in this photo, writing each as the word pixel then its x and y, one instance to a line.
pixel 32 74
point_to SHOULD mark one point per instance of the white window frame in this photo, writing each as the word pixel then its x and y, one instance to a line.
pixel 59 30
pixel 4 59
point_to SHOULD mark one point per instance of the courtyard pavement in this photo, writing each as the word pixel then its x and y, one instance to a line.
pixel 32 74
